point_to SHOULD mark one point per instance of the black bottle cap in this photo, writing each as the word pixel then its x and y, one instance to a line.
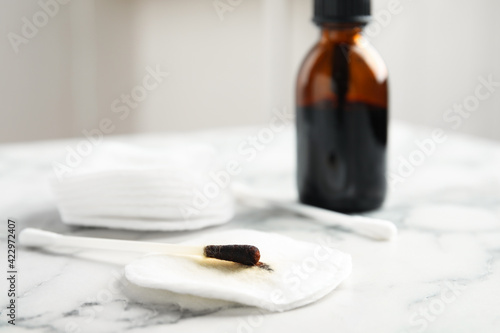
pixel 341 11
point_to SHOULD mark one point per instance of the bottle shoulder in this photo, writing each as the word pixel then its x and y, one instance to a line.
pixel 361 53
pixel 366 78
pixel 371 58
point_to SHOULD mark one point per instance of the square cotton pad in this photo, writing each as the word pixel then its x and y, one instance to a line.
pixel 140 188
pixel 295 272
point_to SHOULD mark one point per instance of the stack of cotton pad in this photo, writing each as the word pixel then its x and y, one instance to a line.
pixel 129 187
pixel 295 273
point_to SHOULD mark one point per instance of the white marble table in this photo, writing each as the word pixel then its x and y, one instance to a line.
pixel 442 274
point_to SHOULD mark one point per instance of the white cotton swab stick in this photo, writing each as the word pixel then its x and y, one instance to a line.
pixel 243 254
pixel 369 227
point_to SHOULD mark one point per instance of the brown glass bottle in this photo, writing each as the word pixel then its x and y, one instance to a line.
pixel 342 118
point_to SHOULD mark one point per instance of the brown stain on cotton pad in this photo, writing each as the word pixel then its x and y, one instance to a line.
pixel 264 266
pixel 229 267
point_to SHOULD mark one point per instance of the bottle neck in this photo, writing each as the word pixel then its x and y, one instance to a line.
pixel 341 32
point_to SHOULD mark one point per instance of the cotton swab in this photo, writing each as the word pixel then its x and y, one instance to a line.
pixel 369 227
pixel 243 254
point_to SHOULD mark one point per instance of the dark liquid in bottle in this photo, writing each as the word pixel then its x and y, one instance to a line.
pixel 342 155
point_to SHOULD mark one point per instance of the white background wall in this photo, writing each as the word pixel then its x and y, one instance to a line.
pixel 231 71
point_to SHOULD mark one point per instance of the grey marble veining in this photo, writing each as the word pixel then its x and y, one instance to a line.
pixel 442 274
